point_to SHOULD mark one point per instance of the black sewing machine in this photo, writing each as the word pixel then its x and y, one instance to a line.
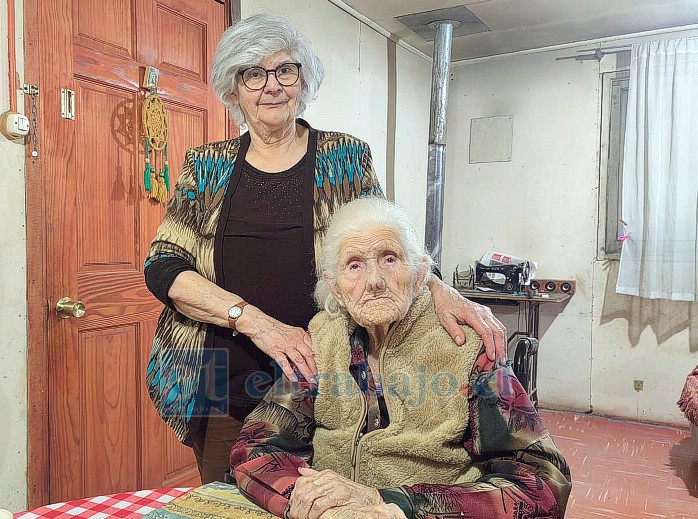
pixel 507 279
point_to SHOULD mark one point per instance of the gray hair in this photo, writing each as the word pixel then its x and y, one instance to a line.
pixel 356 217
pixel 248 42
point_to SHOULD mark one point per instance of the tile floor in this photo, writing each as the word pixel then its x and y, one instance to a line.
pixel 625 469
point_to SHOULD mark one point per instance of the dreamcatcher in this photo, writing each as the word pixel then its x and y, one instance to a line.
pixel 156 176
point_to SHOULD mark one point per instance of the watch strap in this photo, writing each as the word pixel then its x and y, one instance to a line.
pixel 233 320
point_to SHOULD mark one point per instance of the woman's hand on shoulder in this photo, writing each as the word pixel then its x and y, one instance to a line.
pixel 454 310
pixel 288 345
pixel 316 494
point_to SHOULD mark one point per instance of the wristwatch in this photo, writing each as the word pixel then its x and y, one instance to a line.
pixel 234 313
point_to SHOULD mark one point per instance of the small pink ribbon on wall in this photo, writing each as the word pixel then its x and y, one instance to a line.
pixel 623 237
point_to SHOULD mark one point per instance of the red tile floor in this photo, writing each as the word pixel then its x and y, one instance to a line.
pixel 626 469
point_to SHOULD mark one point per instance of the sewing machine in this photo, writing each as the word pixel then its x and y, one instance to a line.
pixel 507 279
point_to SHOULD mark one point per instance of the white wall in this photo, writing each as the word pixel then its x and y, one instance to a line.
pixel 543 206
pixel 412 135
pixel 13 318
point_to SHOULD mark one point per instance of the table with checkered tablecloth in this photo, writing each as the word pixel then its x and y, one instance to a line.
pixel 126 504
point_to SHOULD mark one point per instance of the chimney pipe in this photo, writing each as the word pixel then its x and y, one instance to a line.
pixel 437 137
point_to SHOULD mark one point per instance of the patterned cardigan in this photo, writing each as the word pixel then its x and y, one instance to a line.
pixel 343 170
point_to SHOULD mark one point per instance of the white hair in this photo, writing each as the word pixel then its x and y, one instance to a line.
pixel 248 42
pixel 356 217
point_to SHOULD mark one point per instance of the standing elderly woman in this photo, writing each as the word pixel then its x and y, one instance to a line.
pixel 400 416
pixel 233 258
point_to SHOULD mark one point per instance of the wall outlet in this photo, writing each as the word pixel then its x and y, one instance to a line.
pixel 638 384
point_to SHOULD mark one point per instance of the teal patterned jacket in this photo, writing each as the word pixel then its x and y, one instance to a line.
pixel 343 171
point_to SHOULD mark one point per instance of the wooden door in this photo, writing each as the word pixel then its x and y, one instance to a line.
pixel 104 435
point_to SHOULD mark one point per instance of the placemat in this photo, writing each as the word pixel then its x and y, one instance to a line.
pixel 210 501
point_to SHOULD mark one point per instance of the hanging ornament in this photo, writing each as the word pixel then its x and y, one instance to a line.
pixel 155 129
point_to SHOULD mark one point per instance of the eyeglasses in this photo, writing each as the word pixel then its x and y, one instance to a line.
pixel 256 78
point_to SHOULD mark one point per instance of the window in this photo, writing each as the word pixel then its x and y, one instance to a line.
pixel 614 105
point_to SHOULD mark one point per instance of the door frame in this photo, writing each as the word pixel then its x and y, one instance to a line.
pixel 38 304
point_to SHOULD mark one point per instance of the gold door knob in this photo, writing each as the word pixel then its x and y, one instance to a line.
pixel 66 307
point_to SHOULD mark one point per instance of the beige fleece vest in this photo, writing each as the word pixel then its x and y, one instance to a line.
pixel 425 379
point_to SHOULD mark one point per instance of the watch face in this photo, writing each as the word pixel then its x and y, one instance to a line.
pixel 235 312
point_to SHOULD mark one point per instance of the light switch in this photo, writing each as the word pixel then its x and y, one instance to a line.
pixel 14 125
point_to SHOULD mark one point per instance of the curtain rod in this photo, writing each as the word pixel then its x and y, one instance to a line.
pixel 582 43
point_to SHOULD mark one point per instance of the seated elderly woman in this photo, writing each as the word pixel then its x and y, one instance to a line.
pixel 400 422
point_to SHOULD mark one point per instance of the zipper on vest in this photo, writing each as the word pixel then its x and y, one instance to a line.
pixel 357 438
pixel 381 369
pixel 359 435
pixel 357 451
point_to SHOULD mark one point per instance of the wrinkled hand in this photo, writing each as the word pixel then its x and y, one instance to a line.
pixel 288 345
pixel 382 511
pixel 453 310
pixel 318 492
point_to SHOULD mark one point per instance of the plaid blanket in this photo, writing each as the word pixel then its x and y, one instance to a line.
pixel 689 397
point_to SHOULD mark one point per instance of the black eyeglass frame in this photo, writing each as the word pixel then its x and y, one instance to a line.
pixel 267 72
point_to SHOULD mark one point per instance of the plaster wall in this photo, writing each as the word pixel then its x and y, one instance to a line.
pixel 412 135
pixel 13 287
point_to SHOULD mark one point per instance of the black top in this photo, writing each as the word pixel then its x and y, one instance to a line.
pixel 160 275
pixel 266 262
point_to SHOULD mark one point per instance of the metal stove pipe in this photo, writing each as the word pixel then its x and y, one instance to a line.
pixel 437 138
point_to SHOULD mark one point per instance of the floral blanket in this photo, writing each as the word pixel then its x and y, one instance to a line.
pixel 689 397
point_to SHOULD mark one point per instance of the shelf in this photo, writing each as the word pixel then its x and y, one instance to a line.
pixel 513 298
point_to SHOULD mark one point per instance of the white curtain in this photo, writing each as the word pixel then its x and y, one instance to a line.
pixel 660 173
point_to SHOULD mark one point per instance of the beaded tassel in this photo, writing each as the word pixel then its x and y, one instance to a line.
pixel 166 171
pixel 147 182
pixel 155 184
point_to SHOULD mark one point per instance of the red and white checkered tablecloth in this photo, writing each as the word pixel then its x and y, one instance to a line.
pixel 127 504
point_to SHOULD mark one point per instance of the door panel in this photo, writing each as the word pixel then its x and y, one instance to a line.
pixel 182 42
pixel 104 172
pixel 189 124
pixel 106 25
pixel 122 294
pixel 105 435
pixel 109 396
